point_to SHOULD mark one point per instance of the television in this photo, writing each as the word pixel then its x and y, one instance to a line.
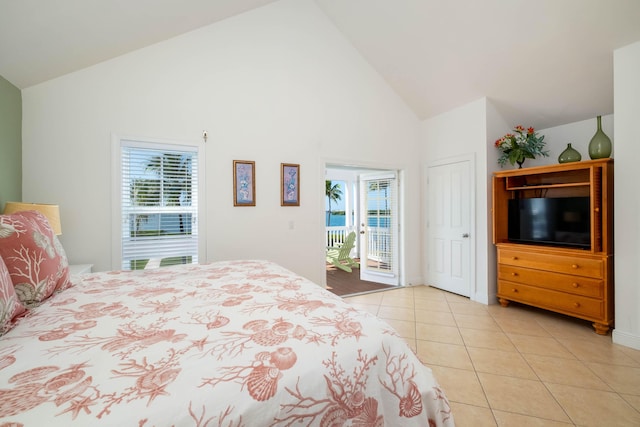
pixel 560 221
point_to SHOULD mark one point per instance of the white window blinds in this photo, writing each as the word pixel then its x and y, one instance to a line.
pixel 159 205
pixel 382 223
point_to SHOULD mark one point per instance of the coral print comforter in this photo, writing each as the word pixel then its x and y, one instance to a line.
pixel 241 343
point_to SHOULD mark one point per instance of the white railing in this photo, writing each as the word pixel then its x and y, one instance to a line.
pixel 378 241
pixel 379 244
pixel 336 235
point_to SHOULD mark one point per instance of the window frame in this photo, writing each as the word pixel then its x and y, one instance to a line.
pixel 118 142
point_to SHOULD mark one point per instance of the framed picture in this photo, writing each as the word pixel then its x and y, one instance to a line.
pixel 244 183
pixel 289 184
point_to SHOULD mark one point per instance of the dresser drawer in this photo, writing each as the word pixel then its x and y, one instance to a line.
pixel 577 265
pixel 577 285
pixel 576 305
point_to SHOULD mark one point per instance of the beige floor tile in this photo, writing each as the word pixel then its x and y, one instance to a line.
pixel 496 310
pixel 472 321
pixel 404 328
pixel 565 371
pixel 441 354
pixel 598 349
pixel 472 416
pixel 498 362
pixel 460 385
pixel 486 339
pixel 397 313
pixel 507 419
pixel 540 345
pixel 469 307
pixel 631 400
pixel 563 327
pixel 431 305
pixel 595 408
pixel 480 354
pixel 521 396
pixel 451 297
pixel 622 379
pixel 517 311
pixel 435 318
pixel 427 292
pixel 522 327
pixel 631 352
pixel 401 290
pixel 438 333
pixel 370 298
pixel 403 301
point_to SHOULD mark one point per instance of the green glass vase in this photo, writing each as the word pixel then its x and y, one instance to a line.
pixel 600 145
pixel 569 155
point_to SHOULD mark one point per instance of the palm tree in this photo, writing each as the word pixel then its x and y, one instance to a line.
pixel 143 192
pixel 333 193
pixel 171 188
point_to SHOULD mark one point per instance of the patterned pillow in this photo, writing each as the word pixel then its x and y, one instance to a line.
pixel 34 256
pixel 10 305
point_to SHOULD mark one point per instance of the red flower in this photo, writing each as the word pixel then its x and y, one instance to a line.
pixel 523 143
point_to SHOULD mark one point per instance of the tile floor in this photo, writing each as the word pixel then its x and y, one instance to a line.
pixel 514 366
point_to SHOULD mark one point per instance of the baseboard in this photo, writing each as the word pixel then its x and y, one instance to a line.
pixel 626 339
pixel 414 281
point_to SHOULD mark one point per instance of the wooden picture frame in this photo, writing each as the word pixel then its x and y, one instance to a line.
pixel 244 183
pixel 289 184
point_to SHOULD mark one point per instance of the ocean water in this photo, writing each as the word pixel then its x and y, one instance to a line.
pixel 338 220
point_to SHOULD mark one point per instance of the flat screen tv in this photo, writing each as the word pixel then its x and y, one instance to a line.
pixel 563 221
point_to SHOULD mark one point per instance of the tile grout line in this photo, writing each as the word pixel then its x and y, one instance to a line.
pixel 564 410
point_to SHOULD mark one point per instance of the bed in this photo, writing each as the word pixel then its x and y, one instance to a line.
pixel 233 343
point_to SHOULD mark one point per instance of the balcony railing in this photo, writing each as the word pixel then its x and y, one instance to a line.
pixel 379 246
pixel 336 235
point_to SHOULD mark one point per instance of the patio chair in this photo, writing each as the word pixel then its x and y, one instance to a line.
pixel 340 255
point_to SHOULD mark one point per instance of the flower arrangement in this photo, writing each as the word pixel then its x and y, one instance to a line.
pixel 520 145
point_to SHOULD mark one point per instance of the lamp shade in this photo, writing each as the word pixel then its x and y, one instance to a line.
pixel 51 212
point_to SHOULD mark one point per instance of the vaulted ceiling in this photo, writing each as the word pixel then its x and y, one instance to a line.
pixel 541 62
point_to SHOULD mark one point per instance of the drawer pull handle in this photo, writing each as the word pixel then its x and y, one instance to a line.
pixel 575 285
pixel 514 290
pixel 576 304
pixel 514 274
pixel 574 266
pixel 514 258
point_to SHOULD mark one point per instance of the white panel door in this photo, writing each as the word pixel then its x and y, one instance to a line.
pixel 448 227
pixel 379 228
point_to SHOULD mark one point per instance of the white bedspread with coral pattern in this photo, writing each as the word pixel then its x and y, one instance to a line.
pixel 238 343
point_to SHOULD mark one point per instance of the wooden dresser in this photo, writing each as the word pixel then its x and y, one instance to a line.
pixel 575 282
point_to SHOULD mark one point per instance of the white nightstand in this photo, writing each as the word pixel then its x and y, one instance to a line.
pixel 80 269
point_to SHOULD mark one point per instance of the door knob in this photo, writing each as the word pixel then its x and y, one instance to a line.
pixel 362 232
pixel 465 235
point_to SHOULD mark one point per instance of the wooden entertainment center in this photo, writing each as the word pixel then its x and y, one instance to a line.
pixel 574 281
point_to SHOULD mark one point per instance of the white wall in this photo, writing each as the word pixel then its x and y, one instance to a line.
pixel 627 197
pixel 579 134
pixel 276 84
pixel 463 131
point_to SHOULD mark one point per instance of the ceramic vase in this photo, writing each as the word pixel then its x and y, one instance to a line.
pixel 600 145
pixel 569 155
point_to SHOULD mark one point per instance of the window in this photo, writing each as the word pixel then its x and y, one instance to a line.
pixel 158 204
